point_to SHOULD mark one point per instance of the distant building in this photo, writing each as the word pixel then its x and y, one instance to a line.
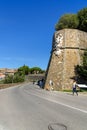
pixel 2 76
pixel 5 71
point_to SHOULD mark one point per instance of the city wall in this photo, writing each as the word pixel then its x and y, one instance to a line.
pixel 68 46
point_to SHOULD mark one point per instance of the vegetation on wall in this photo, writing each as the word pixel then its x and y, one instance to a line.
pixel 76 21
pixel 81 70
pixel 82 16
pixel 73 21
pixel 67 21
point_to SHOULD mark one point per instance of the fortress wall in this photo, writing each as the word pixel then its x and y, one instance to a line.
pixel 67 47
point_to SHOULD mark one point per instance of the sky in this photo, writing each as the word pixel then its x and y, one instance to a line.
pixel 27 28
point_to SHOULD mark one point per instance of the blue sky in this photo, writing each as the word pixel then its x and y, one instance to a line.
pixel 27 27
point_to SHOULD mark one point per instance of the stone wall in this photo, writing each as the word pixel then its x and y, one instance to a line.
pixel 67 47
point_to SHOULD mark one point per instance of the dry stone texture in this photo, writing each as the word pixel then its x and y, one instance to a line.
pixel 61 67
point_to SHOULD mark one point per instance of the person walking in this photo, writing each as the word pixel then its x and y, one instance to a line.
pixel 74 88
pixel 51 84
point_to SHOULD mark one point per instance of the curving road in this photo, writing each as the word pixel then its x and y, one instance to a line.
pixel 27 107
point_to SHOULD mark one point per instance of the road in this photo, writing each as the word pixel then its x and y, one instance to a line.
pixel 27 107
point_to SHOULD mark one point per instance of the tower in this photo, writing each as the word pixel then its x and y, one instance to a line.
pixel 67 47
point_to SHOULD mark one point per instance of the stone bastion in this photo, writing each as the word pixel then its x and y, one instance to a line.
pixel 68 46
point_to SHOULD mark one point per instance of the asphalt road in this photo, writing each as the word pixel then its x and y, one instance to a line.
pixel 28 107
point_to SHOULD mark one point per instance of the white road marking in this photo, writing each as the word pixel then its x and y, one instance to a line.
pixel 75 108
pixel 51 100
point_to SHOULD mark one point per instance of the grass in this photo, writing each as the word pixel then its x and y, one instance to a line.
pixel 67 90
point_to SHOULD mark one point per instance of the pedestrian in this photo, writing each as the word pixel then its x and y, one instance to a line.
pixel 74 86
pixel 51 84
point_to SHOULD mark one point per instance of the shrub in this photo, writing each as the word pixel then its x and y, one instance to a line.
pixel 67 21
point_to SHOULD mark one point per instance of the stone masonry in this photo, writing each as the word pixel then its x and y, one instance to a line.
pixel 67 48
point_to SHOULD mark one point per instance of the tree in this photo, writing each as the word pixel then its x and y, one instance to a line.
pixel 35 70
pixel 23 70
pixel 81 70
pixel 82 16
pixel 8 79
pixel 67 21
pixel 14 78
pixel 18 78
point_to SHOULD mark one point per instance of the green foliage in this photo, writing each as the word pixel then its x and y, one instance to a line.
pixel 67 21
pixel 35 70
pixel 19 76
pixel 81 70
pixel 82 16
pixel 14 78
pixel 8 79
pixel 85 59
pixel 23 70
pixel 73 21
pixel 26 70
